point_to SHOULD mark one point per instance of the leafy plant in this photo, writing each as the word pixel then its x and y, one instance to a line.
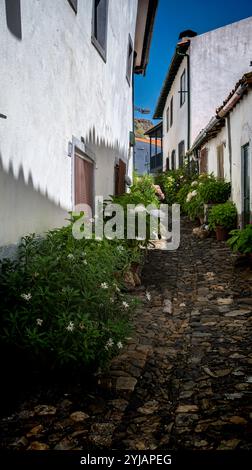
pixel 241 240
pixel 214 191
pixel 62 300
pixel 224 215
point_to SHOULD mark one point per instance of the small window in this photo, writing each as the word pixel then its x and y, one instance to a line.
pixel 181 152
pixel 129 61
pixel 173 160
pixel 167 166
pixel 171 112
pixel 99 26
pixel 167 118
pixel 182 88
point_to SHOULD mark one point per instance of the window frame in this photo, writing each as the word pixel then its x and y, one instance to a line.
pixel 130 59
pixel 182 88
pixel 168 119
pixel 74 5
pixel 102 51
pixel 171 112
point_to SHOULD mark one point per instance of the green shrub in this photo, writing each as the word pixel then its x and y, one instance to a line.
pixel 214 191
pixel 61 300
pixel 241 240
pixel 172 181
pixel 224 215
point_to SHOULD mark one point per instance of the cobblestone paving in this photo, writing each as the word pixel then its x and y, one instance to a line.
pixel 183 380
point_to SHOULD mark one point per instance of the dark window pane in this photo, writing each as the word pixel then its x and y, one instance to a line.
pixel 100 22
pixel 129 60
pixel 74 4
pixel 171 112
pixel 181 150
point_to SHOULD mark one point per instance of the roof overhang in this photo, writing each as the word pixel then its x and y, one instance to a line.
pixel 155 131
pixel 178 56
pixel 144 29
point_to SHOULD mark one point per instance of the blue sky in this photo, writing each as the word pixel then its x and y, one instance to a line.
pixel 174 16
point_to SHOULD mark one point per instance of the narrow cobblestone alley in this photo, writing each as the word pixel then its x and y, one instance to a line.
pixel 184 379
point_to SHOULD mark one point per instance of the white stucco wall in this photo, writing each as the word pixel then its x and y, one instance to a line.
pixel 218 59
pixel 241 134
pixel 55 85
pixel 178 131
pixel 211 146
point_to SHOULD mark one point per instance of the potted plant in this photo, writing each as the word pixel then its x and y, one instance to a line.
pixel 241 241
pixel 222 218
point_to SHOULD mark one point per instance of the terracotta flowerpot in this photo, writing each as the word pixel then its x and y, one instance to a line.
pixel 221 233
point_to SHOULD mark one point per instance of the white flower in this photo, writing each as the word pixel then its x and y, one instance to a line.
pixel 148 296
pixel 109 344
pixel 125 304
pixel 85 262
pixel 70 256
pixel 194 183
pixel 26 296
pixel 191 195
pixel 39 321
pixel 104 285
pixel 70 326
pixel 120 248
pixel 119 345
pixel 111 300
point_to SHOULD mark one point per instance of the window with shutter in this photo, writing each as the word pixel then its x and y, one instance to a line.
pixel 99 26
pixel 74 5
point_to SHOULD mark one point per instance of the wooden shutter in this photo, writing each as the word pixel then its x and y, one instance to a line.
pixel 120 172
pixel 203 164
pixel 220 161
pixel 74 5
pixel 84 181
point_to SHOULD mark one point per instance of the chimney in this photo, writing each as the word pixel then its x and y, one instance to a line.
pixel 186 35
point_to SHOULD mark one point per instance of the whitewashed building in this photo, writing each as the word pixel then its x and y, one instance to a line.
pixel 66 104
pixel 224 146
pixel 202 71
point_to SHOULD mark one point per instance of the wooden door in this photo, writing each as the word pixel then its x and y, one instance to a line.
pixel 84 180
pixel 220 161
pixel 120 172
pixel 203 163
